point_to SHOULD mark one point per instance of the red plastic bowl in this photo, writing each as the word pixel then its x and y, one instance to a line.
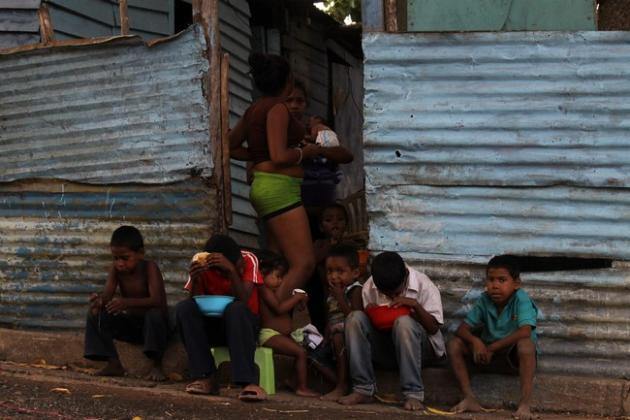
pixel 383 317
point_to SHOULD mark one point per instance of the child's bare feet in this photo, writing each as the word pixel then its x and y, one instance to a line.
pixel 113 368
pixel 468 404
pixel 523 413
pixel 355 398
pixel 306 392
pixel 412 404
pixel 156 375
pixel 335 394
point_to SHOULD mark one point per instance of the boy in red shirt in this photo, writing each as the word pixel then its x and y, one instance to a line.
pixel 232 272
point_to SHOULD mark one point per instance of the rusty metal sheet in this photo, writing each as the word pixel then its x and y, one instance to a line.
pixel 54 245
pixel 113 112
pixel 583 315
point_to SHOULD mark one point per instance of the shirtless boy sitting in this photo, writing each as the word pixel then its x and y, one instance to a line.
pixel 138 315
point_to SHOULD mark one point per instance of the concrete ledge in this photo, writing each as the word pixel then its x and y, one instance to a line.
pixel 552 393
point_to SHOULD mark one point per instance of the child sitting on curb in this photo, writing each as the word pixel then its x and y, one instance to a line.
pixel 138 315
pixel 414 338
pixel 276 332
pixel 344 296
pixel 499 332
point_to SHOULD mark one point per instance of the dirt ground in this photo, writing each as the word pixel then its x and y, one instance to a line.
pixel 28 392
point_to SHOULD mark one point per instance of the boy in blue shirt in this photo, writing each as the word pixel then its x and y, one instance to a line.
pixel 500 328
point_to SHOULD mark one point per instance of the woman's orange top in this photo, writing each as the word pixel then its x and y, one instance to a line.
pixel 256 133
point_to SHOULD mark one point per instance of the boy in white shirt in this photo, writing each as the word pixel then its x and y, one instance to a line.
pixel 414 338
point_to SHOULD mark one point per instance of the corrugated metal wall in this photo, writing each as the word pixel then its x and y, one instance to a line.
pixel 19 23
pixel 90 18
pixel 116 118
pixel 54 247
pixel 236 36
pixel 487 143
pixel 135 130
pixel 304 45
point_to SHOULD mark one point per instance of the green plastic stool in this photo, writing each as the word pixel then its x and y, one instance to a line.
pixel 263 358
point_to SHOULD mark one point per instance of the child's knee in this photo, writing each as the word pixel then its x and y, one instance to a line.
pixel 185 309
pixel 155 315
pixel 525 347
pixel 235 308
pixel 405 325
pixel 455 346
pixel 356 319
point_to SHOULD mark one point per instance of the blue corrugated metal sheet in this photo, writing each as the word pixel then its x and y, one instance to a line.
pixel 236 36
pixel 54 247
pixel 108 113
pixel 115 116
pixel 19 23
pixel 499 110
pixel 488 143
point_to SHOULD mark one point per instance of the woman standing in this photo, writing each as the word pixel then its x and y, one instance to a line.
pixel 274 138
pixel 318 192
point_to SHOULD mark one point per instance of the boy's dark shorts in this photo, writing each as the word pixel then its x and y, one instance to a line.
pixel 504 361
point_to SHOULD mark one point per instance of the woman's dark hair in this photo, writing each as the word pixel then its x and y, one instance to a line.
pixel 509 262
pixel 270 72
pixel 225 245
pixel 388 271
pixel 128 237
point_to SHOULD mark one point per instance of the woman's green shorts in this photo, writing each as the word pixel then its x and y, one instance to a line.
pixel 274 194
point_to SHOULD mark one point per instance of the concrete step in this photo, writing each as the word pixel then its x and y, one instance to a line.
pixel 552 393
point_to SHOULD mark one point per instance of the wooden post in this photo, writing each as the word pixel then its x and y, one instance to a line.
pixel 225 138
pixel 46 31
pixel 206 13
pixel 391 16
pixel 124 17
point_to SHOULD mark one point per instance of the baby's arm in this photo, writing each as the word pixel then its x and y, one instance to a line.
pixel 277 307
pixel 337 154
